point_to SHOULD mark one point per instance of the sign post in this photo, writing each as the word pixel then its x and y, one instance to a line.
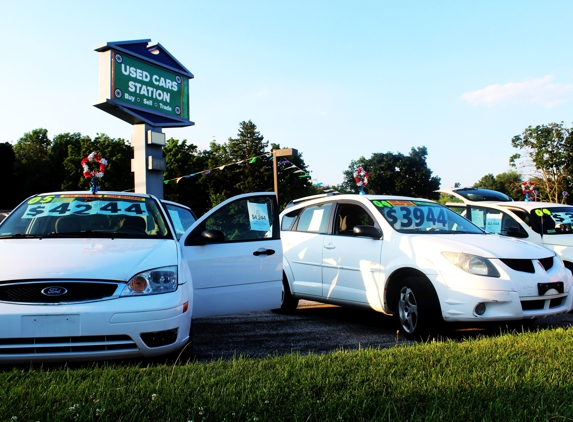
pixel 144 85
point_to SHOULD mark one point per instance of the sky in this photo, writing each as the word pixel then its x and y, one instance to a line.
pixel 337 80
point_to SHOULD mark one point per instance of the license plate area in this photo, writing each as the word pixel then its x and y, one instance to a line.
pixel 543 288
pixel 50 325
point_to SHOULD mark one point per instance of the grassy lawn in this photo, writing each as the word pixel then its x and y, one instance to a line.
pixel 514 377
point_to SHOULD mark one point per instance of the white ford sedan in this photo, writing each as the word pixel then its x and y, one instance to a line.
pixel 417 260
pixel 117 275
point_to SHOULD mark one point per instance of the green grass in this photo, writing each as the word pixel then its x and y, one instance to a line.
pixel 514 377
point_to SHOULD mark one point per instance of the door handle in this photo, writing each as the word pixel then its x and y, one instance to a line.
pixel 263 251
pixel 329 246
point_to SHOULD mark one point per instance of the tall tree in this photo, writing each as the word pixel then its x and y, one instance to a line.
pixel 184 160
pixel 395 174
pixel 117 152
pixel 508 183
pixel 33 168
pixel 8 200
pixel 548 149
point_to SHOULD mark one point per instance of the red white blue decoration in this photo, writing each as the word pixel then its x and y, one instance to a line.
pixel 361 178
pixel 94 174
pixel 527 188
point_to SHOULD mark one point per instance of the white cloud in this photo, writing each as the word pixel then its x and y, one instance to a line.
pixel 539 91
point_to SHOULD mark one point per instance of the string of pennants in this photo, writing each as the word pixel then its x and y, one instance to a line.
pixel 251 160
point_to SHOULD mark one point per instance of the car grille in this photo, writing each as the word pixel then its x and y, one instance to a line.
pixel 63 345
pixel 526 265
pixel 534 305
pixel 75 291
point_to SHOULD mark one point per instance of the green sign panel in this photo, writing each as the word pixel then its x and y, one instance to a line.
pixel 139 84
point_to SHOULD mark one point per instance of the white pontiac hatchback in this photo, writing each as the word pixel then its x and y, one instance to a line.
pixel 546 223
pixel 114 275
pixel 417 260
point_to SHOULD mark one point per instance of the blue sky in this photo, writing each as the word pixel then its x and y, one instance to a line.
pixel 335 79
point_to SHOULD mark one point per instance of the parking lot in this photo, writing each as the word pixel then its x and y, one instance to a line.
pixel 317 328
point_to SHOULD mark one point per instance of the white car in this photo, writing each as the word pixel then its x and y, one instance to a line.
pixel 544 223
pixel 417 260
pixel 117 275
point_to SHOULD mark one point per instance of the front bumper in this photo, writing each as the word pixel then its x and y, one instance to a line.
pixel 502 300
pixel 108 329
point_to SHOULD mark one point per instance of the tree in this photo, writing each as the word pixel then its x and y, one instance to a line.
pixel 395 174
pixel 182 160
pixel 244 164
pixel 548 149
pixel 8 199
pixel 117 152
pixel 33 168
pixel 508 183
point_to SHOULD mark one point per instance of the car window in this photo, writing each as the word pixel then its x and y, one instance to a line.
pixel 79 215
pixel 181 218
pixel 348 216
pixel 496 221
pixel 242 220
pixel 477 194
pixel 413 216
pixel 552 221
pixel 314 218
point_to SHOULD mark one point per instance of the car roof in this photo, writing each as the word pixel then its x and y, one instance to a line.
pixel 351 196
pixel 103 192
pixel 471 194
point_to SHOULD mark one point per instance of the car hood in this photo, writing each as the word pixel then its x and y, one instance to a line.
pixel 96 259
pixel 484 245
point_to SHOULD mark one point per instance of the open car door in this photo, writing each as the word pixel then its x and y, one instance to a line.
pixel 234 255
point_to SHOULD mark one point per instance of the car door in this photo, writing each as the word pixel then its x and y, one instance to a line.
pixel 181 217
pixel 351 264
pixel 303 248
pixel 234 256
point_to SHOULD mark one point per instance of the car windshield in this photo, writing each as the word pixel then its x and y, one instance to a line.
pixel 477 194
pixel 411 216
pixel 552 221
pixel 86 215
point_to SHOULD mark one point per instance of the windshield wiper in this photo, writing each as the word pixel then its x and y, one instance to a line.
pixel 21 236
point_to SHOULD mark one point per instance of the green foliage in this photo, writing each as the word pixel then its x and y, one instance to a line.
pixel 395 174
pixel 514 377
pixel 549 149
pixel 8 199
pixel 243 164
pixel 184 159
pixel 33 167
pixel 508 183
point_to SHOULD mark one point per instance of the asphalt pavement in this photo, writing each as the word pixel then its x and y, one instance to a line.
pixel 317 328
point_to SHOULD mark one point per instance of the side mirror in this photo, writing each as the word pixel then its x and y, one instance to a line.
pixel 367 231
pixel 212 236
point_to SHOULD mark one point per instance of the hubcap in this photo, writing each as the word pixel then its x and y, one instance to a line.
pixel 407 310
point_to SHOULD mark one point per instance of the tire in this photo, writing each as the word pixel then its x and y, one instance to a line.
pixel 288 303
pixel 417 309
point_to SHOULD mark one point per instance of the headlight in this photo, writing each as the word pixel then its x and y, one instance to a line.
pixel 158 280
pixel 472 264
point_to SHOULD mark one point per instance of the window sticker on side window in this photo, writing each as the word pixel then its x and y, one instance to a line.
pixel 258 216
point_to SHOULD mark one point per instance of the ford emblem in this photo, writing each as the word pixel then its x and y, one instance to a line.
pixel 54 291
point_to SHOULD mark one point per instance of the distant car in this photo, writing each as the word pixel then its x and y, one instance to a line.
pixel 544 223
pixel 117 275
pixel 417 260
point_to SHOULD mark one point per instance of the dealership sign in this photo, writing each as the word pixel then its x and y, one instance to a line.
pixel 141 82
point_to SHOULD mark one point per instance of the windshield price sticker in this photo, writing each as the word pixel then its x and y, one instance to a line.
pixel 405 214
pixel 59 208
